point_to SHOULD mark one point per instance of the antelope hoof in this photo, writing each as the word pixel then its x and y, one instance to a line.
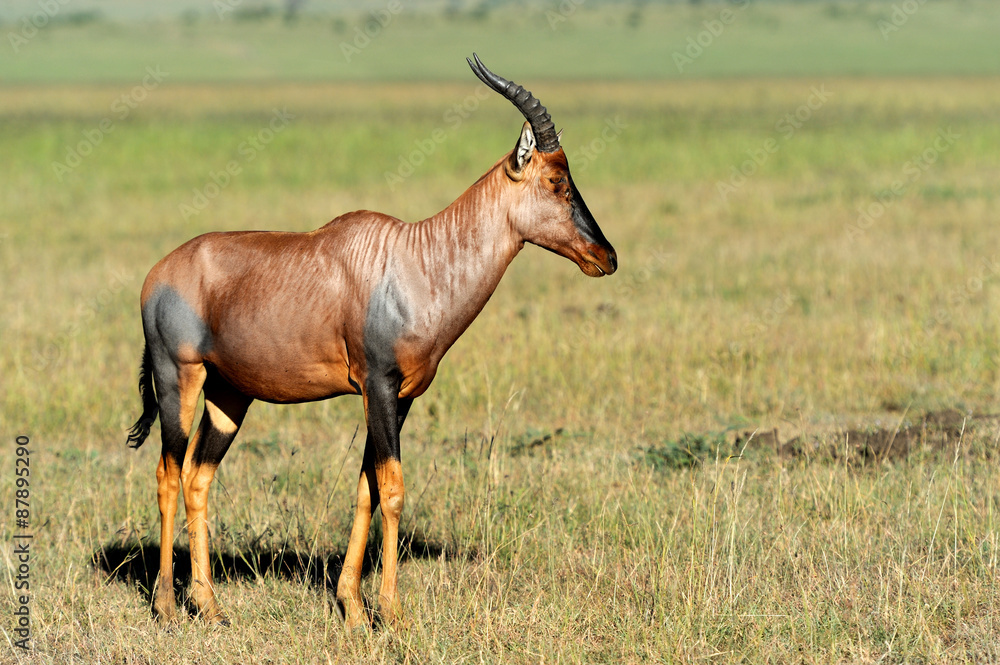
pixel 165 614
pixel 164 607
pixel 357 621
pixel 213 614
pixel 353 614
pixel 391 613
pixel 220 618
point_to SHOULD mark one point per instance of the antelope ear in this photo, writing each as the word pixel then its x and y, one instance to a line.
pixel 522 153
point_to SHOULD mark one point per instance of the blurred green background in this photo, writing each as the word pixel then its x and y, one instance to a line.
pixel 398 40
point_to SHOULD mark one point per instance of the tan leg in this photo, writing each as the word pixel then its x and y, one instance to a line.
pixel 381 482
pixel 349 585
pixel 178 400
pixel 197 482
pixel 390 489
pixel 224 412
pixel 168 484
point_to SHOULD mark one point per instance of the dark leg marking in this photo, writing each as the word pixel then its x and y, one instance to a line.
pixel 225 409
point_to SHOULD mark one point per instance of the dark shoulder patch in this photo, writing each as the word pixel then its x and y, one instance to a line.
pixel 384 324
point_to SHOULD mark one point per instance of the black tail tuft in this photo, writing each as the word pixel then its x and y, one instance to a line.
pixel 150 408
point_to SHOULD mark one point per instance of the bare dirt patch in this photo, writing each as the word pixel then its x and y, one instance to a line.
pixel 928 433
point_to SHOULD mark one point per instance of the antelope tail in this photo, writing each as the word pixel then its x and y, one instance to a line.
pixel 150 407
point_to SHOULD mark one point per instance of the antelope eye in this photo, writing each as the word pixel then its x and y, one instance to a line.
pixel 557 181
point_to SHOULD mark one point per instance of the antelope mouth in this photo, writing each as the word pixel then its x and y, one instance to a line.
pixel 594 267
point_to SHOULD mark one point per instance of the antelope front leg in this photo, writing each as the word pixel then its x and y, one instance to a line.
pixel 349 584
pixel 390 489
pixel 385 413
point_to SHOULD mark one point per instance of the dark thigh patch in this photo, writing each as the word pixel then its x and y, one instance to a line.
pixel 173 323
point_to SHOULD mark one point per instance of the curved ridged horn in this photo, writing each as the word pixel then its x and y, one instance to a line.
pixel 532 110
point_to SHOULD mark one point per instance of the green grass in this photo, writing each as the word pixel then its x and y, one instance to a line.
pixel 544 514
pixel 588 40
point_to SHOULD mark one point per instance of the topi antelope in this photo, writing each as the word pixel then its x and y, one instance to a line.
pixel 366 305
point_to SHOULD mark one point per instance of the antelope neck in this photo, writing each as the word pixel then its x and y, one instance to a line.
pixel 467 247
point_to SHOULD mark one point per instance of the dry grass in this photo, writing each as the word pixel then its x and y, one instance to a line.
pixel 758 312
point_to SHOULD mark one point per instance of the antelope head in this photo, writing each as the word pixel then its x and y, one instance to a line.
pixel 548 210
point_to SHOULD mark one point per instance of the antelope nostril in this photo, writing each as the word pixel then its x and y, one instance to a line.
pixel 613 260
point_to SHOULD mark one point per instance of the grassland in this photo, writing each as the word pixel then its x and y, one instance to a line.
pixel 583 486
